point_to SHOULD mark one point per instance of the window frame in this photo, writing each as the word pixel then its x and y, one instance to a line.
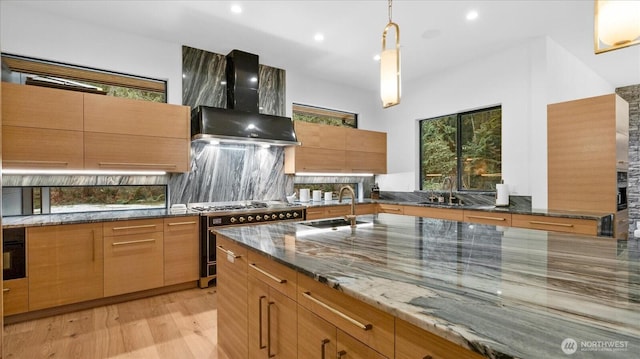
pixel 326 112
pixel 459 165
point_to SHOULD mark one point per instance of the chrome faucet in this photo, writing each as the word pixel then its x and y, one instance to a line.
pixel 450 180
pixel 349 217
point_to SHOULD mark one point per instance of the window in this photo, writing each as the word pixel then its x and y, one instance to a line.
pixel 334 188
pixel 465 146
pixel 23 70
pixel 324 116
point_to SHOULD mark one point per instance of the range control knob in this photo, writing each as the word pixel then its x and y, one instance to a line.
pixel 241 219
pixel 258 218
pixel 250 218
pixel 295 214
pixel 281 215
pixel 288 214
pixel 232 219
pixel 273 216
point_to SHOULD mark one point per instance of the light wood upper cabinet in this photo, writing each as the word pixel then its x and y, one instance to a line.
pixel 42 148
pixel 336 149
pixel 106 151
pixel 133 256
pixel 108 114
pixel 41 107
pixel 181 249
pixel 65 264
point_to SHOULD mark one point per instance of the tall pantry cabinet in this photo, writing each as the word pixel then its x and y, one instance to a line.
pixel 588 157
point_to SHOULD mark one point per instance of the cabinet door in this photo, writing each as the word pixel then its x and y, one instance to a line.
pixel 305 159
pixel 493 218
pixel 40 107
pixel 105 151
pixel 15 296
pixel 232 299
pixel 415 343
pixel 282 316
pixel 365 162
pixel 108 114
pixel 65 264
pixel 133 263
pixel 431 212
pixel 316 337
pixel 351 348
pixel 320 136
pixel 366 141
pixel 26 147
pixel 556 224
pixel 181 249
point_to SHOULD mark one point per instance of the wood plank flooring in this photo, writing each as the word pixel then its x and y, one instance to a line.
pixel 180 325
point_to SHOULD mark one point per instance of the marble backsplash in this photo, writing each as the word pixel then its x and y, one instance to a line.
pixel 230 172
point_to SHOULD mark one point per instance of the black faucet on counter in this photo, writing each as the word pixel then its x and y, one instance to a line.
pixel 349 217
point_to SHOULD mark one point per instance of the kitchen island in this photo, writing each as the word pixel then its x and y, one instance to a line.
pixel 500 292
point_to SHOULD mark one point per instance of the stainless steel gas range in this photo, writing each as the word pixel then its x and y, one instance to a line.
pixel 219 214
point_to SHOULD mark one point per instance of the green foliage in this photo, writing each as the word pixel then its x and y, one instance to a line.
pixel 132 93
pixel 107 195
pixel 325 120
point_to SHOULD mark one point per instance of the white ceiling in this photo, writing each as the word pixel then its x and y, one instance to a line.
pixel 434 34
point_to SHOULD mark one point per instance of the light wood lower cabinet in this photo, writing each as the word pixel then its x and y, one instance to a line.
pixel 65 264
pixel 133 262
pixel 15 296
pixel 181 249
pixel 484 217
pixel 415 343
pixel 351 348
pixel 339 210
pixel 232 299
pixel 556 224
pixel 390 208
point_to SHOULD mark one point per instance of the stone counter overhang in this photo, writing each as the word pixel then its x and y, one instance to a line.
pixel 502 292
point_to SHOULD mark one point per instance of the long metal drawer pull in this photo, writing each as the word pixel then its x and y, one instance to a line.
pixel 552 224
pixel 322 347
pixel 45 163
pixel 260 320
pixel 4 290
pixel 133 227
pixel 271 276
pixel 391 209
pixel 269 330
pixel 228 252
pixel 341 354
pixel 111 164
pixel 489 218
pixel 427 357
pixel 337 312
pixel 133 242
pixel 181 223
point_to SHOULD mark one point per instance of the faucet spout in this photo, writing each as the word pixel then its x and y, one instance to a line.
pixel 450 180
pixel 350 217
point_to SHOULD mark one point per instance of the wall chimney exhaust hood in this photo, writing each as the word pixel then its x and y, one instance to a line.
pixel 241 122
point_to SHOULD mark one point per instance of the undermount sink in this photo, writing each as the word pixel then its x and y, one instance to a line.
pixel 331 223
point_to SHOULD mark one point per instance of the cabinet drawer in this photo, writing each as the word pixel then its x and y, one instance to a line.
pixel 498 219
pixel 556 224
pixel 15 294
pixel 430 212
pixel 365 208
pixel 413 342
pixel 133 263
pixel 390 208
pixel 276 275
pixel 315 213
pixel 337 211
pixel 122 228
pixel 369 325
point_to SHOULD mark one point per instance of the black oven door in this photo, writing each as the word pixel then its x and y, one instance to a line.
pixel 13 253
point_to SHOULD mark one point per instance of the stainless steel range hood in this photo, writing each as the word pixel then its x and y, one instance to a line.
pixel 240 121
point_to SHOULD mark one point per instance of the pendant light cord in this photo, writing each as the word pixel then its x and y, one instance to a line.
pixel 390 10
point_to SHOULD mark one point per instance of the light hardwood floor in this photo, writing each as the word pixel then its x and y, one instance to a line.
pixel 180 325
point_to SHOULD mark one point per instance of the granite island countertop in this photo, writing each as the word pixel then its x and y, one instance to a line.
pixel 502 292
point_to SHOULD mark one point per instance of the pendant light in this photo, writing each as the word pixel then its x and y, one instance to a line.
pixel 616 25
pixel 390 67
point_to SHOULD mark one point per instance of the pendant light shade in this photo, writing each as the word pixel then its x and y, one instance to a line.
pixel 616 24
pixel 390 66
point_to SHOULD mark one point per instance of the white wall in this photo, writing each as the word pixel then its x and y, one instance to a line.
pixel 523 79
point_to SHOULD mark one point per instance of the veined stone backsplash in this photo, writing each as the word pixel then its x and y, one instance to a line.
pixel 230 172
pixel 632 95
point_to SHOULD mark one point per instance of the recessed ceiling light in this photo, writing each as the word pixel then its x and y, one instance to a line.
pixel 318 37
pixel 236 9
pixel 472 15
pixel 376 57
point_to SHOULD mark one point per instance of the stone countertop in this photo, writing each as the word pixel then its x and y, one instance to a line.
pixel 502 292
pixel 89 217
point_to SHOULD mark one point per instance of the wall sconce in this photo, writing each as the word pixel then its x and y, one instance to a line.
pixel 616 24
pixel 390 67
